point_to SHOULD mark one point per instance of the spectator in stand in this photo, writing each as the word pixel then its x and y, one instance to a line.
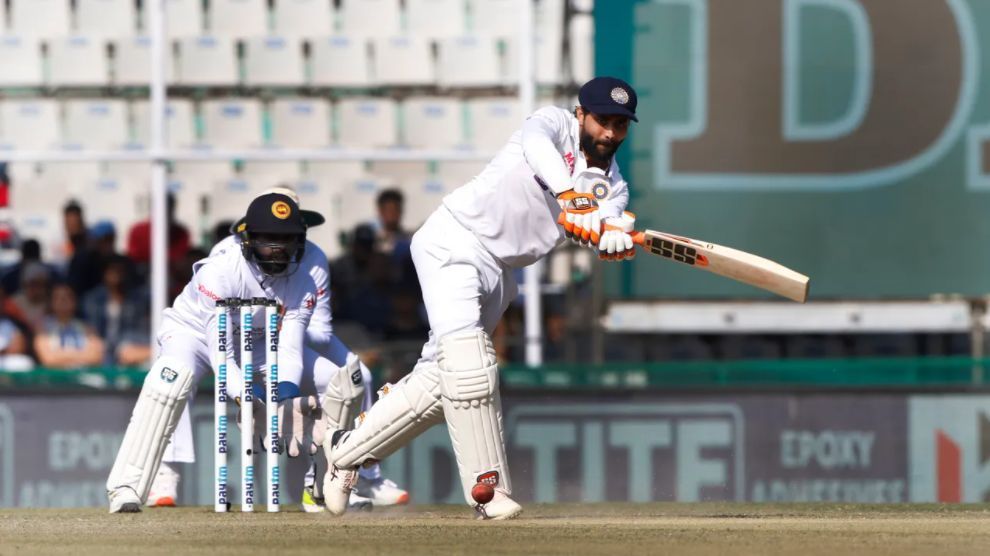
pixel 87 265
pixel 74 225
pixel 361 281
pixel 119 313
pixel 30 253
pixel 65 342
pixel 390 238
pixel 14 348
pixel 139 241
pixel 32 297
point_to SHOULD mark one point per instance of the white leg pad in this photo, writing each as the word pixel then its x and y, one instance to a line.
pixel 159 406
pixel 473 409
pixel 343 397
pixel 410 407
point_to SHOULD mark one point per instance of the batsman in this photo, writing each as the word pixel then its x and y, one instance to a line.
pixel 556 178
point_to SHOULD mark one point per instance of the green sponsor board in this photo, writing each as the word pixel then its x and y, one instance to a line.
pixel 847 139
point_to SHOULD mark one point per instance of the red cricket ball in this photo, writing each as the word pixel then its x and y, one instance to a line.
pixel 482 493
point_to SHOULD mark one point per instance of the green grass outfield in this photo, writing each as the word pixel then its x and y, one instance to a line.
pixel 707 528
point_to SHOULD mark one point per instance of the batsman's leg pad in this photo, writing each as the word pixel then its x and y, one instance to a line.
pixel 410 407
pixel 159 406
pixel 473 409
pixel 344 395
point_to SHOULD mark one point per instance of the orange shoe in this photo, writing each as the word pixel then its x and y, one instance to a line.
pixel 165 488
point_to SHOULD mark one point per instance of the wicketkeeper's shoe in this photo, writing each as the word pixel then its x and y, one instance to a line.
pixel 359 503
pixel 382 492
pixel 123 500
pixel 338 482
pixel 311 503
pixel 164 488
pixel 501 507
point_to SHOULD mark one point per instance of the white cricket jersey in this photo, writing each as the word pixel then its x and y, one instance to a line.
pixel 228 275
pixel 511 206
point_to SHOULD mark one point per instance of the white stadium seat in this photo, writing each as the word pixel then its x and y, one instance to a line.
pixel 241 18
pixel 403 60
pixel 272 172
pixel 366 123
pixel 433 122
pixel 400 170
pixel 185 18
pixel 134 172
pixel 120 201
pixel 179 122
pixel 73 173
pixel 301 123
pixel 273 61
pixel 492 121
pixel 582 41
pixel 495 17
pixel 373 18
pixel 304 18
pixel 200 176
pixel 107 18
pixel 340 61
pixel 321 197
pixel 232 123
pixel 30 124
pixel 335 171
pixel 422 197
pixel 131 65
pixel 78 61
pixel 20 58
pixel 40 18
pixel 435 18
pixel 549 59
pixel 230 198
pixel 207 60
pixel 356 201
pixel 469 61
pixel 458 172
pixel 95 124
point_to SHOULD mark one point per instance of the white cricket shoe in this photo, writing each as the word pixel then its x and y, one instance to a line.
pixel 382 492
pixel 337 483
pixel 123 500
pixel 359 503
pixel 501 507
pixel 164 488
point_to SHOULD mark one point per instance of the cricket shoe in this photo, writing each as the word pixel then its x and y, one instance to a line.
pixel 359 503
pixel 338 483
pixel 164 488
pixel 311 503
pixel 382 492
pixel 123 500
pixel 501 507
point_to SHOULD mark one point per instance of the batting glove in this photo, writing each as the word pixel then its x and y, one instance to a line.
pixel 580 217
pixel 616 244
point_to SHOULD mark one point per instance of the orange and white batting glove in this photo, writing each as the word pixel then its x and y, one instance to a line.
pixel 580 217
pixel 616 244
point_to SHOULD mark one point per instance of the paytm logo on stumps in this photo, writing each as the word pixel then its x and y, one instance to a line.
pixel 949 448
pixel 636 452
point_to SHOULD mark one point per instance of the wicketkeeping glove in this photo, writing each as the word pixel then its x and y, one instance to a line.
pixel 298 421
pixel 580 217
pixel 616 244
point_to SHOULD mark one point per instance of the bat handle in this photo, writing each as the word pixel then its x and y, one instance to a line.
pixel 639 238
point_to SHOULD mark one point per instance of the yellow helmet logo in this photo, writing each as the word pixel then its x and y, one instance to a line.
pixel 281 210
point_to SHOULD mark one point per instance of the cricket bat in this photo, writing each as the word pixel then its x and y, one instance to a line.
pixel 726 261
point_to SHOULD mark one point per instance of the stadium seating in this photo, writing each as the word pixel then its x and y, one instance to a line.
pixel 303 18
pixel 373 18
pixel 138 173
pixel 366 123
pixel 31 124
pixel 433 123
pixel 356 201
pixel 320 196
pixel 340 61
pixel 106 18
pixel 78 61
pixel 130 61
pixel 73 173
pixel 300 123
pixel 207 60
pixel 469 61
pixel 436 18
pixel 397 171
pixel 179 123
pixel 40 18
pixel 20 58
pixel 185 18
pixel 403 60
pixel 422 197
pixel 495 17
pixel 230 197
pixel 95 124
pixel 271 173
pixel 273 61
pixel 549 59
pixel 458 172
pixel 334 171
pixel 582 42
pixel 232 123
pixel 120 201
pixel 240 18
pixel 492 121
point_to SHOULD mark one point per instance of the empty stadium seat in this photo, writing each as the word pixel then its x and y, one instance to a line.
pixel 207 60
pixel 469 61
pixel 300 123
pixel 433 122
pixel 31 124
pixel 495 17
pixel 193 184
pixel 398 171
pixel 73 173
pixel 356 201
pixel 230 198
pixel 340 61
pixel 40 18
pixel 179 123
pixel 107 18
pixel 272 61
pixel 120 201
pixel 335 171
pixel 131 65
pixel 133 172
pixel 403 60
pixel 20 58
pixel 321 197
pixel 95 124
pixel 185 18
pixel 271 173
pixel 366 122
pixel 303 18
pixel 422 197
pixel 458 172
pixel 232 123
pixel 78 61
pixel 241 18
pixel 370 17
pixel 582 41
pixel 435 18
pixel 492 121
pixel 549 59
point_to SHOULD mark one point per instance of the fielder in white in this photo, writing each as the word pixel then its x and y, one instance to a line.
pixel 326 356
pixel 555 178
pixel 273 239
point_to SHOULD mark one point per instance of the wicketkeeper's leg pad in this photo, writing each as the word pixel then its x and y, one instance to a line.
pixel 344 395
pixel 159 406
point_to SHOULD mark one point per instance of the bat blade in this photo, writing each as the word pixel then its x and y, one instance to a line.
pixel 725 261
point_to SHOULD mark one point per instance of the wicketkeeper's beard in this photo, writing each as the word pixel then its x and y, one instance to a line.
pixel 598 152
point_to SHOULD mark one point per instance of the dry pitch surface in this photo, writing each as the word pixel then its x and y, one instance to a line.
pixel 555 529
